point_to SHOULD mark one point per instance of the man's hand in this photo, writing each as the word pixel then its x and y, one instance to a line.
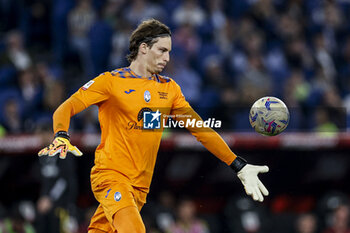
pixel 61 146
pixel 248 174
pixel 252 185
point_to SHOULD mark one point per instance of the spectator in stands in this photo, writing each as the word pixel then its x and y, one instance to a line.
pixel 216 14
pixel 189 12
pixel 250 44
pixel 113 11
pixel 266 14
pixel 324 124
pixel 13 122
pixel 159 214
pixel 80 21
pixel 298 54
pixel 225 36
pixel 324 57
pixel 120 43
pixel 245 26
pixel 214 80
pixel 243 216
pixel 328 17
pixel 187 220
pixel 31 91
pixel 289 26
pixel 16 53
pixel 340 220
pixel 297 89
pixel 165 210
pixel 186 38
pixel 296 93
pixel 331 97
pixel 59 29
pixel 35 24
pixel 187 78
pixel 56 205
pixel 255 82
pixel 306 223
pixel 54 94
pixel 140 10
pixel 100 37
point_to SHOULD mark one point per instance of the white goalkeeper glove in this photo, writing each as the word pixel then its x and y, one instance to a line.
pixel 248 174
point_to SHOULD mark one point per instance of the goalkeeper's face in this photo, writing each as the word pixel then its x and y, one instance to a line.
pixel 158 56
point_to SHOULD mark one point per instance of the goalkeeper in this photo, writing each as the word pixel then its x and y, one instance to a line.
pixel 125 158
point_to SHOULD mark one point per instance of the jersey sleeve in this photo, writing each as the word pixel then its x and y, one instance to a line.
pixel 179 101
pixel 62 115
pixel 93 92
pixel 207 136
pixel 96 90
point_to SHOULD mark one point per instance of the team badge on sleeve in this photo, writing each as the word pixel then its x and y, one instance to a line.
pixel 87 85
pixel 117 196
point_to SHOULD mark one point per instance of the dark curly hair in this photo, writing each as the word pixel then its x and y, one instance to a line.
pixel 147 32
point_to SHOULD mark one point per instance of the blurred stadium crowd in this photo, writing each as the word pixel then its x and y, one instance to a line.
pixel 225 55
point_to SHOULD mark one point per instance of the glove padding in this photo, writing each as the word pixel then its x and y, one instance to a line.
pixel 252 185
pixel 61 146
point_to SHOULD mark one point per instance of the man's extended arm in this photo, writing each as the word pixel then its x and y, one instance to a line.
pixel 61 119
pixel 62 115
pixel 93 92
pixel 247 173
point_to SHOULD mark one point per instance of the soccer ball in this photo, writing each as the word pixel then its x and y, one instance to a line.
pixel 269 116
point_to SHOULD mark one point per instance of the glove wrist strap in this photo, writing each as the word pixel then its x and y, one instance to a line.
pixel 238 164
pixel 62 134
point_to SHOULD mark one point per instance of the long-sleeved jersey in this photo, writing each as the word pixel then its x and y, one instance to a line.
pixel 127 151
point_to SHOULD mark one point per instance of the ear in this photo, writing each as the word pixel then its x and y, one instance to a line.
pixel 143 48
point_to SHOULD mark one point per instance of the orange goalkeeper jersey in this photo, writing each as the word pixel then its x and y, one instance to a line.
pixel 127 152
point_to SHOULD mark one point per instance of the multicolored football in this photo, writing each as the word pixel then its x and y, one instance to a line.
pixel 269 116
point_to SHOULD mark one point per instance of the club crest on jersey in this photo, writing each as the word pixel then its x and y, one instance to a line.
pixel 117 196
pixel 147 96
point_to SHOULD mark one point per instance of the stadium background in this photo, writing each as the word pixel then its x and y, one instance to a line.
pixel 226 54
